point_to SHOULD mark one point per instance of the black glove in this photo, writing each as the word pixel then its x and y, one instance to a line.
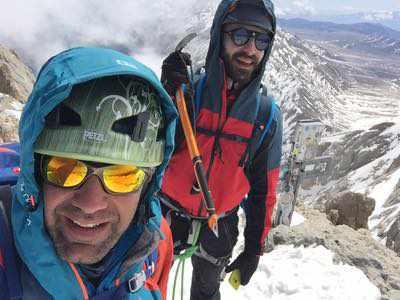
pixel 174 71
pixel 247 264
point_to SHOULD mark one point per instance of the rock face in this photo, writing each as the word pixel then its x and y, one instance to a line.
pixel 16 79
pixel 350 209
pixel 361 161
pixel 393 237
pixel 393 233
pixel 10 110
pixel 351 153
pixel 356 248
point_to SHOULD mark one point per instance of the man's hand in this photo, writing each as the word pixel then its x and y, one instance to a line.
pixel 247 264
pixel 174 71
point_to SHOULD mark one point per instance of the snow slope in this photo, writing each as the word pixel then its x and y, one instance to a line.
pixel 289 273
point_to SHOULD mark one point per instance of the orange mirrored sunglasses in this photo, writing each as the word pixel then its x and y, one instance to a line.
pixel 73 173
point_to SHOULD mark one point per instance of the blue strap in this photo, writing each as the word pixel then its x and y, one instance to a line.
pixel 268 125
pixel 120 292
pixel 199 89
pixel 262 109
pixel 9 254
pixel 151 263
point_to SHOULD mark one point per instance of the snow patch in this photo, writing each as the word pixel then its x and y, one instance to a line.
pixel 297 219
pixel 290 273
pixel 381 193
pixel 14 113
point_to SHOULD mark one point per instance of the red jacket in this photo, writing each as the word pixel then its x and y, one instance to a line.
pixel 229 182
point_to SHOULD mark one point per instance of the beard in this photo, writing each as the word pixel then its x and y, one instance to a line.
pixel 78 252
pixel 241 76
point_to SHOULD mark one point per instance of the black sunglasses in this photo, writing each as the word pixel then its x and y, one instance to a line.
pixel 241 36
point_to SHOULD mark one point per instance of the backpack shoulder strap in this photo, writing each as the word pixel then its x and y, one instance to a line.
pixel 7 245
pixel 198 91
pixel 263 129
pixel 265 124
pixel 151 263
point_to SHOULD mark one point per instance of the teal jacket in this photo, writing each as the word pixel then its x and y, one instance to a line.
pixel 43 272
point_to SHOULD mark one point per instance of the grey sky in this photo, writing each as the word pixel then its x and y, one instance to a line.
pixel 38 29
pixel 334 6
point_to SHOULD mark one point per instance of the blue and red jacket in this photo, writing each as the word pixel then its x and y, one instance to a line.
pixel 223 136
pixel 41 273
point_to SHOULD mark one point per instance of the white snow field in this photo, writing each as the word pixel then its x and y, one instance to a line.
pixel 289 273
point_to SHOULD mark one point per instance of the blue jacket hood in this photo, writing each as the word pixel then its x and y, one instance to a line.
pixel 214 65
pixel 53 85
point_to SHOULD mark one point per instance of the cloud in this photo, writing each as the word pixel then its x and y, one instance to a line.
pixel 299 8
pixel 38 29
pixel 304 7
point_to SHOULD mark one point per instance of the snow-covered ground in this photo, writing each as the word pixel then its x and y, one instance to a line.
pixel 373 181
pixel 289 273
pixel 362 110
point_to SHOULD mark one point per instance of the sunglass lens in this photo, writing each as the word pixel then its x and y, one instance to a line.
pixel 123 179
pixel 65 172
pixel 262 41
pixel 240 36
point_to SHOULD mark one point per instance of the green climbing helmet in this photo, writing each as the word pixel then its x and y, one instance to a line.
pixel 114 120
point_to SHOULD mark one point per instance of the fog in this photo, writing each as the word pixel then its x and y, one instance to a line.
pixel 147 30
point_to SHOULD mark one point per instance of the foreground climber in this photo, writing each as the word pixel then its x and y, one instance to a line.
pixel 96 135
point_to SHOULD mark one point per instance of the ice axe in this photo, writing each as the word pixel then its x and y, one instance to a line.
pixel 194 150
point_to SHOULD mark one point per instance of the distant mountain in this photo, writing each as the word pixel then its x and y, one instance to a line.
pixel 387 18
pixel 362 37
pixel 351 87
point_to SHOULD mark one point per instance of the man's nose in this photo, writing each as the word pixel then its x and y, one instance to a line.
pixel 91 197
pixel 250 46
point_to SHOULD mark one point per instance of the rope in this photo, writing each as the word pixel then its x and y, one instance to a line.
pixel 182 257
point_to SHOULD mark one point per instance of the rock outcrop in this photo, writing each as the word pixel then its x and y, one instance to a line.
pixel 16 79
pixel 393 237
pixel 354 247
pixel 393 233
pixel 361 162
pixel 350 209
pixel 10 111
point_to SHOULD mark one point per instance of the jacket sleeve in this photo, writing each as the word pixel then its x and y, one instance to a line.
pixel 159 279
pixel 263 176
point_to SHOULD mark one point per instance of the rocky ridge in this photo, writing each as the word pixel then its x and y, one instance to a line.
pixel 364 163
pixel 16 82
pixel 353 247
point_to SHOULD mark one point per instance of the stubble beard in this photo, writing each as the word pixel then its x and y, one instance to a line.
pixel 65 248
pixel 240 76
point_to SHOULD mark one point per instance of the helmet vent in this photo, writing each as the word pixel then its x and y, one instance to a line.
pixel 62 115
pixel 134 126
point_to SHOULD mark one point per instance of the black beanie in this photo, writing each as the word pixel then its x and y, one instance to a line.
pixel 250 13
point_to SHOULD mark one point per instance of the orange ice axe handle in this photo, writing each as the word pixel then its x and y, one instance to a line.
pixel 197 161
pixel 202 180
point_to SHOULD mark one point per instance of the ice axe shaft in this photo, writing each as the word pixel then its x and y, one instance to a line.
pixel 193 149
pixel 197 161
